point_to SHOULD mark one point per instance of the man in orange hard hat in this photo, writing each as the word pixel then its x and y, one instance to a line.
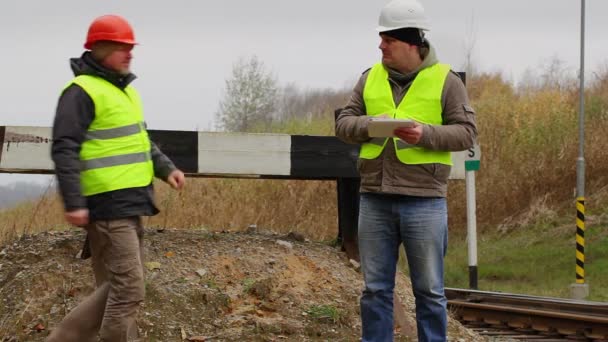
pixel 105 164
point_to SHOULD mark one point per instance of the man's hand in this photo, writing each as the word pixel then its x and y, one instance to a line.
pixel 176 179
pixel 410 135
pixel 78 217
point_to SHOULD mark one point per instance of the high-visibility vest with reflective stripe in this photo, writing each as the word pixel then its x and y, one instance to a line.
pixel 421 103
pixel 116 151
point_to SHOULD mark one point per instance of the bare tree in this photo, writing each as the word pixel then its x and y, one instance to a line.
pixel 551 74
pixel 309 104
pixel 250 97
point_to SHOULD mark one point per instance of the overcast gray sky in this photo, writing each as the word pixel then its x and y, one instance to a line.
pixel 188 47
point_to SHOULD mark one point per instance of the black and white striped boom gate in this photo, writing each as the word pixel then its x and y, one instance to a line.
pixel 238 155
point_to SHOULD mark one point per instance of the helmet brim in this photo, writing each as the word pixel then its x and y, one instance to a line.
pixel 89 45
pixel 381 29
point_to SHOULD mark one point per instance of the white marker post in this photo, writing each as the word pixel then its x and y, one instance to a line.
pixel 471 164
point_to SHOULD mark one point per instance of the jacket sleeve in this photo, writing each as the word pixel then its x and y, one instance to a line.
pixel 75 112
pixel 459 130
pixel 351 124
pixel 163 166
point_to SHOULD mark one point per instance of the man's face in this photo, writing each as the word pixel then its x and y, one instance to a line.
pixel 120 58
pixel 395 53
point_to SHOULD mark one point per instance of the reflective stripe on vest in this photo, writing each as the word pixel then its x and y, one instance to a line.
pixel 113 132
pixel 116 151
pixel 421 103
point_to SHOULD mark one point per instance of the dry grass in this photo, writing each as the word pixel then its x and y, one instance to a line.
pixel 308 207
pixel 529 147
pixel 282 206
pixel 32 217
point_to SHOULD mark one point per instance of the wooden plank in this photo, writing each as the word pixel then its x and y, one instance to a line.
pixel 180 146
pixel 494 322
pixel 323 157
pixel 497 332
pixel 541 327
pixel 27 148
pixel 536 338
pixel 2 130
pixel 519 325
pixel 244 154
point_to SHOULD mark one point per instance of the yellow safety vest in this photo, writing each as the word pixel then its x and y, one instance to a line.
pixel 421 103
pixel 116 151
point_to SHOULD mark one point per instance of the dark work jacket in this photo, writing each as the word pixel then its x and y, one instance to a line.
pixel 75 112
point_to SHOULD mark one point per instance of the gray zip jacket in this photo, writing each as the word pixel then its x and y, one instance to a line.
pixel 75 112
pixel 386 174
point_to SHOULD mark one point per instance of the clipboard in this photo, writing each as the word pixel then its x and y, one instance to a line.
pixel 384 127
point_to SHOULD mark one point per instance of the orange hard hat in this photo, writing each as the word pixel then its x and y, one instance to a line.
pixel 110 28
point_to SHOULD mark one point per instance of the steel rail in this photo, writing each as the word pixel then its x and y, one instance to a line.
pixel 504 312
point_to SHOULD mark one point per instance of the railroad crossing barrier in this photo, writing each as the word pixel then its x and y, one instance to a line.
pixel 26 149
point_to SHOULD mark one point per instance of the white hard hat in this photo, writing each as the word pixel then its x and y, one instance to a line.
pixel 399 14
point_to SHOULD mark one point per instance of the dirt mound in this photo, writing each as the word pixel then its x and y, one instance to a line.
pixel 200 286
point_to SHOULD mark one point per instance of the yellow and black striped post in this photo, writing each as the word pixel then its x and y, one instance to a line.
pixel 580 240
pixel 580 290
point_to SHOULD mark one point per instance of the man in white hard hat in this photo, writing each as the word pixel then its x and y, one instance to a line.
pixel 404 175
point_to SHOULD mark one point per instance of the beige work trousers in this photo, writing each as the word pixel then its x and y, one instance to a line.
pixel 117 257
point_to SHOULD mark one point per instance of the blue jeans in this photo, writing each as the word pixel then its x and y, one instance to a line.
pixel 386 221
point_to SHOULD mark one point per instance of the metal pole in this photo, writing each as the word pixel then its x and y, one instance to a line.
pixel 580 290
pixel 471 228
pixel 580 167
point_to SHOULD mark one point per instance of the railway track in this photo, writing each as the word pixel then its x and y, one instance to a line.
pixel 529 318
